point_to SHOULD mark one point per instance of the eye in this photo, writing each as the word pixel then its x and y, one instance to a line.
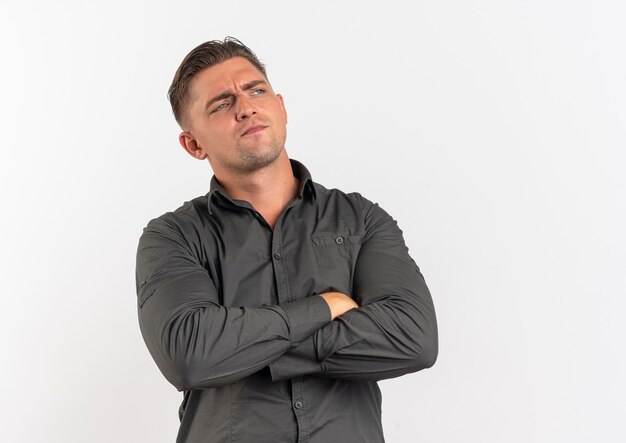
pixel 220 107
pixel 258 91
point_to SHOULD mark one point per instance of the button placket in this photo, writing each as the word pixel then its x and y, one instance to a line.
pixel 280 271
pixel 297 394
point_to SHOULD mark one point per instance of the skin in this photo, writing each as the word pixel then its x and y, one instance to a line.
pixel 237 122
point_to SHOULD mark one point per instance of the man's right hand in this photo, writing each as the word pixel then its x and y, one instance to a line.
pixel 339 303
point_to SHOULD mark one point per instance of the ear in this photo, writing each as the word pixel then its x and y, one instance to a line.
pixel 189 144
pixel 282 105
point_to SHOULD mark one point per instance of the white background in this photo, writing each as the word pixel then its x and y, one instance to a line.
pixel 493 131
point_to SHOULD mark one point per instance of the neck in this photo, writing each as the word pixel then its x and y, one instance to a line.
pixel 269 189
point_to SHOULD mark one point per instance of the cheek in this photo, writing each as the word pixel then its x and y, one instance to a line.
pixel 281 119
pixel 216 135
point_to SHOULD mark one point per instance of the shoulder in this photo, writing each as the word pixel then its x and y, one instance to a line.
pixel 337 197
pixel 346 201
pixel 181 222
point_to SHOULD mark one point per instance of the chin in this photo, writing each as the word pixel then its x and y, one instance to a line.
pixel 251 161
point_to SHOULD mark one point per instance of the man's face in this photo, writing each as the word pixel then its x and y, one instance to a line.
pixel 234 118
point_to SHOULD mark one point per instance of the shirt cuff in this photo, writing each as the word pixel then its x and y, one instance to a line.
pixel 305 316
pixel 299 361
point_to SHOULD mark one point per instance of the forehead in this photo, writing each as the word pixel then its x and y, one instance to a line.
pixel 229 74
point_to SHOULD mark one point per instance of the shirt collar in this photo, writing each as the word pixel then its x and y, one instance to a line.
pixel 299 170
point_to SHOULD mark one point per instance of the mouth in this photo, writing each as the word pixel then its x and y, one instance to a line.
pixel 253 130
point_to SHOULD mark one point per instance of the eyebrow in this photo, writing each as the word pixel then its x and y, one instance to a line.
pixel 230 93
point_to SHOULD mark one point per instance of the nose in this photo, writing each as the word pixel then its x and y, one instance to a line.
pixel 244 108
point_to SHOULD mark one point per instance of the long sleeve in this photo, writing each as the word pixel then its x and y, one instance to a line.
pixel 393 332
pixel 196 342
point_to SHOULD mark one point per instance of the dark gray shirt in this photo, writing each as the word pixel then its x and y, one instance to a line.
pixel 229 311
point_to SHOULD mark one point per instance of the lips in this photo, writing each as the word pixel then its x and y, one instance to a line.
pixel 253 130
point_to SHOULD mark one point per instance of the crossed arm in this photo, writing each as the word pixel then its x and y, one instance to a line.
pixel 393 332
pixel 198 343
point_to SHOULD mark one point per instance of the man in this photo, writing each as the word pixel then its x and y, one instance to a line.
pixel 273 303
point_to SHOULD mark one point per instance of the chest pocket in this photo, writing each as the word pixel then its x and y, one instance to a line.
pixel 336 250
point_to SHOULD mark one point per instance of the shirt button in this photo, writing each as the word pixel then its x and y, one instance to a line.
pixel 277 256
pixel 339 240
pixel 298 405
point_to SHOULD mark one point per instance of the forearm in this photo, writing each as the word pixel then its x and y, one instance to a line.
pixel 382 340
pixel 203 345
